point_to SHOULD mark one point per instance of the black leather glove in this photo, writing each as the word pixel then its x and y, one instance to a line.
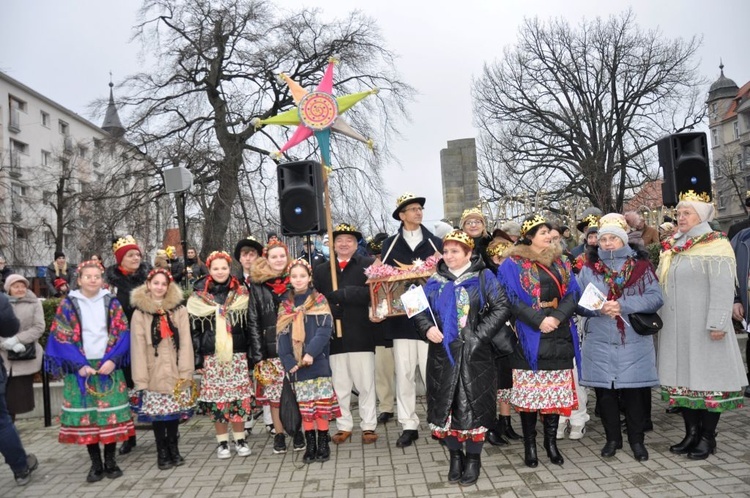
pixel 337 312
pixel 336 297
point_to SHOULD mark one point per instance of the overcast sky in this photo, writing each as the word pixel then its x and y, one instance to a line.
pixel 65 50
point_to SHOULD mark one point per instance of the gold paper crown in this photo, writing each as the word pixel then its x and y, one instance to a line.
pixel 460 237
pixel 171 252
pixel 127 240
pixel 404 197
pixel 529 224
pixel 692 196
pixel 497 247
pixel 344 227
pixel 614 220
pixel 471 211
pixel 591 220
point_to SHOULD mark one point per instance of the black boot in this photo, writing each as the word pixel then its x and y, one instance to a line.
pixel 550 439
pixel 127 446
pixel 456 467
pixel 471 469
pixel 495 435
pixel 163 461
pixel 692 435
pixel 311 448
pixel 174 452
pixel 96 473
pixel 324 450
pixel 111 470
pixel 528 426
pixel 706 446
pixel 509 432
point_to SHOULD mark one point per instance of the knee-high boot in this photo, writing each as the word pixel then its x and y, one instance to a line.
pixel 96 473
pixel 550 439
pixel 528 426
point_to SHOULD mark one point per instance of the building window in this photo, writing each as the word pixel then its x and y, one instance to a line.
pixel 16 103
pixel 20 190
pixel 63 127
pixel 720 202
pixel 714 110
pixel 19 147
pixel 22 233
pixel 736 127
pixel 82 151
pixel 740 164
pixel 714 137
pixel 44 116
pixel 45 158
pixel 49 240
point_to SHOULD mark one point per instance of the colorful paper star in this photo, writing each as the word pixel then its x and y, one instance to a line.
pixel 317 113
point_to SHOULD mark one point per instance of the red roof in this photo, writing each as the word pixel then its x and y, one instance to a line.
pixel 649 196
pixel 742 94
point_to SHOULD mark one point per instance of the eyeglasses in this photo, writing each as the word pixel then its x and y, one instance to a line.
pixel 684 214
pixel 474 223
pixel 415 209
pixel 91 277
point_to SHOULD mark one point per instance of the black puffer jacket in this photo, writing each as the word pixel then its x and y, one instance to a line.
pixel 202 329
pixel 467 389
pixel 122 285
pixel 264 304
pixel 556 350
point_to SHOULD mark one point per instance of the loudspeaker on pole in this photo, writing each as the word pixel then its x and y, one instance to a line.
pixel 683 158
pixel 300 188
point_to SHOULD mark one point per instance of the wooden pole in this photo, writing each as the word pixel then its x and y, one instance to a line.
pixel 329 229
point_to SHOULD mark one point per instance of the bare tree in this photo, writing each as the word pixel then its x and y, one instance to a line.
pixel 730 174
pixel 216 68
pixel 574 110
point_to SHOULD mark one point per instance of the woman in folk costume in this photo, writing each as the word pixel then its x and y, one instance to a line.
pixel 305 325
pixel 269 283
pixel 544 294
pixel 225 351
pixel 617 361
pixel 89 343
pixel 469 308
pixel 700 367
pixel 161 351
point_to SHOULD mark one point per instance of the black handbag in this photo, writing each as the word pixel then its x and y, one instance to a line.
pixel 646 323
pixel 27 354
pixel 291 419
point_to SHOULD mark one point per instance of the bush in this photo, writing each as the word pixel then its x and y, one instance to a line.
pixel 50 307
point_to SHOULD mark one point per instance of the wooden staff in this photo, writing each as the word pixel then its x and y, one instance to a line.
pixel 329 225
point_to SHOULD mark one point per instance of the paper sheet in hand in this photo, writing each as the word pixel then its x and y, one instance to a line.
pixel 592 298
pixel 414 300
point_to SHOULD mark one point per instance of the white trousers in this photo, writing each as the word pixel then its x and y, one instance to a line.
pixel 385 378
pixel 355 370
pixel 408 354
pixel 580 415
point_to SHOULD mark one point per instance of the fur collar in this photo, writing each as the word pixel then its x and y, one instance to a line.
pixel 261 271
pixel 141 299
pixel 546 257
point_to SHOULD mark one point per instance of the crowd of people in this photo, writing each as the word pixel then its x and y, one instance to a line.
pixel 506 330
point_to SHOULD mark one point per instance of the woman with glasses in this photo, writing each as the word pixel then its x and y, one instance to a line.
pixel 700 367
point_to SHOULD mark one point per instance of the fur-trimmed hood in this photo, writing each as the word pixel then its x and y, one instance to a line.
pixel 546 257
pixel 261 271
pixel 142 300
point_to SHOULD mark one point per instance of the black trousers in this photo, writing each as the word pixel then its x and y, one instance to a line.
pixel 637 411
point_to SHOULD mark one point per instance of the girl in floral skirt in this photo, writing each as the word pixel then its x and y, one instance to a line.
pixel 89 343
pixel 304 327
pixel 225 351
pixel 161 350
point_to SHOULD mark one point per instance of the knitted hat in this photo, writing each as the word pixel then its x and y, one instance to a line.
pixel 122 245
pixel 59 254
pixel 614 224
pixel 471 214
pixel 511 228
pixel 442 229
pixel 60 283
pixel 12 279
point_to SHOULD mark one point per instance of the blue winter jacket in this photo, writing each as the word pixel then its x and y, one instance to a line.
pixel 607 360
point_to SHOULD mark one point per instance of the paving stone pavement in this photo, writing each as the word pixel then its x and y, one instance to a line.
pixel 383 470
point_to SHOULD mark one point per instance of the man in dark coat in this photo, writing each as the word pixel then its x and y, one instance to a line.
pixel 352 354
pixel 740 225
pixel 11 447
pixel 412 241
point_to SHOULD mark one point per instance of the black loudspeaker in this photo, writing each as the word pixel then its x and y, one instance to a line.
pixel 683 158
pixel 301 198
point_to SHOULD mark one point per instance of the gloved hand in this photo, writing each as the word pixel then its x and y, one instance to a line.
pixel 19 348
pixel 337 312
pixel 8 343
pixel 336 297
